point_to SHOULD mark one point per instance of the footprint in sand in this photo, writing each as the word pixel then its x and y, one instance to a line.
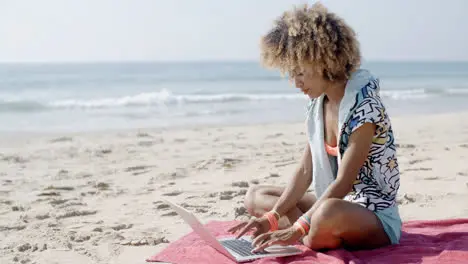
pixel 49 194
pixel 10 228
pixel 6 182
pixel 136 170
pixel 172 213
pixel 273 175
pixel 255 181
pixel 59 188
pixel 145 242
pixel 405 199
pixel 168 184
pixel 144 135
pixel 177 174
pixel 13 158
pixel 412 162
pixel 228 163
pixel 7 202
pixel 275 135
pixel 228 195
pixel 408 146
pixel 60 201
pixel 42 217
pixel 198 208
pixel 173 193
pixel 240 184
pixel 102 152
pixel 89 192
pixel 82 175
pixel 17 208
pixel 70 204
pixel 240 211
pixel 75 213
pixel 121 227
pixel 431 178
pixel 61 139
pixel 146 143
pixel 102 186
pixel 199 165
pixel 419 169
pixel 241 192
pixel 162 207
pixel 80 238
pixel 211 195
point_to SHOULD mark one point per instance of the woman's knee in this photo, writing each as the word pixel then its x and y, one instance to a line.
pixel 251 196
pixel 324 233
pixel 328 210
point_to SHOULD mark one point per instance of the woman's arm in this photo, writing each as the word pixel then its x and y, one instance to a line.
pixel 298 185
pixel 356 154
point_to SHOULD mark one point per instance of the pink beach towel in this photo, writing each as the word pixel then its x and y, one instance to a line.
pixel 443 241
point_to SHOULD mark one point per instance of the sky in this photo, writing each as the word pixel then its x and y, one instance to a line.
pixel 197 30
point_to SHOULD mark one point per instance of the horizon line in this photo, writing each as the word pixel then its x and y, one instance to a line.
pixel 210 61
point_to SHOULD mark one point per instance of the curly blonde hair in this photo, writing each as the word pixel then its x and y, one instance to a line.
pixel 311 36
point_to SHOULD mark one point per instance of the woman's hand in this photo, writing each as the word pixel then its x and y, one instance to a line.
pixel 283 237
pixel 261 226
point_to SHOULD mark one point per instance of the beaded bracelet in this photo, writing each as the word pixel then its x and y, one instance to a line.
pixel 272 219
pixel 303 224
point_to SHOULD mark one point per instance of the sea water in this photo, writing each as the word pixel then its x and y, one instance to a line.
pixel 99 96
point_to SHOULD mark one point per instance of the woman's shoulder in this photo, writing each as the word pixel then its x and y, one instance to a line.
pixel 368 105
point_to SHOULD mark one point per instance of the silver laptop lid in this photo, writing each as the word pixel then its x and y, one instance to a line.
pixel 198 228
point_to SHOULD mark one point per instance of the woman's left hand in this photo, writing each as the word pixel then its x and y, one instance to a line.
pixel 281 237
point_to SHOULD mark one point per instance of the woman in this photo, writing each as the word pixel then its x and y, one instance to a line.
pixel 350 156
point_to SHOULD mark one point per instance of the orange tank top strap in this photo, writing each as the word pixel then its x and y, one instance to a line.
pixel 333 151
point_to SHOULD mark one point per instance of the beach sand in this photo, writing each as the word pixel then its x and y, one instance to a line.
pixel 96 197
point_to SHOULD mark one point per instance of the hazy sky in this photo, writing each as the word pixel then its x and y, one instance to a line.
pixel 162 30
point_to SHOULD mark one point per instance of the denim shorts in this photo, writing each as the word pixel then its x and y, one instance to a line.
pixel 391 221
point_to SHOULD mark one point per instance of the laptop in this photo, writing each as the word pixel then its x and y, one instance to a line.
pixel 238 250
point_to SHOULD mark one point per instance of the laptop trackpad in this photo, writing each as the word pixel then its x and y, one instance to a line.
pixel 280 249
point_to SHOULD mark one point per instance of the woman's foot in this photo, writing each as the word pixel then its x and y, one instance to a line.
pixel 262 198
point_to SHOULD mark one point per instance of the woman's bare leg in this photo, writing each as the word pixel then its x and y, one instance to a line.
pixel 339 223
pixel 261 199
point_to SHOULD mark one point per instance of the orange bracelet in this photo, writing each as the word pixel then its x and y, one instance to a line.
pixel 300 228
pixel 303 224
pixel 271 216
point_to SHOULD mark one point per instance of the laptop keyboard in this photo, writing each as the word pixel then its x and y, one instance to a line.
pixel 241 246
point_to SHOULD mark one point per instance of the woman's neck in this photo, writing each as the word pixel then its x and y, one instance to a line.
pixel 335 92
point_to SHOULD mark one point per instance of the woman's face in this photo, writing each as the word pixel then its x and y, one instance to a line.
pixel 310 83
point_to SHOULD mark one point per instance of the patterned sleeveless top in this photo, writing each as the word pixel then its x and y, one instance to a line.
pixel 378 180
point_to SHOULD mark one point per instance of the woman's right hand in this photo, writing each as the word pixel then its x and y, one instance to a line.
pixel 261 225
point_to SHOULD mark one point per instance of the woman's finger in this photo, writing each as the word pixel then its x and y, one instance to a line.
pixel 259 239
pixel 265 244
pixel 236 227
pixel 246 228
pixel 258 232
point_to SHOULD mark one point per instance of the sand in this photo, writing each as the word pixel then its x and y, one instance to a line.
pixel 96 197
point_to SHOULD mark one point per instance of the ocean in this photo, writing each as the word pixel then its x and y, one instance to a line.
pixel 84 97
